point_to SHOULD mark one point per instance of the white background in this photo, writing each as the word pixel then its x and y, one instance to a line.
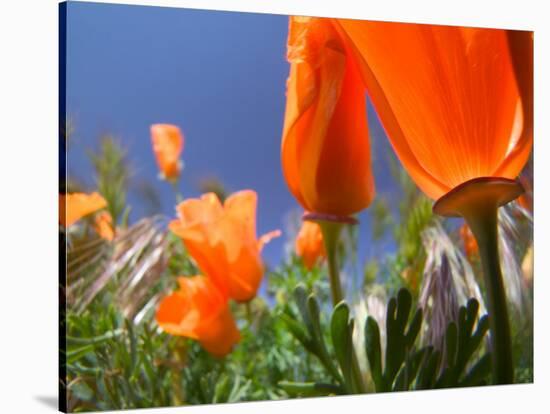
pixel 28 202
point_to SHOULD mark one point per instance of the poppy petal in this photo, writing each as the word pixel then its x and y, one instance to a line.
pixel 458 97
pixel 77 205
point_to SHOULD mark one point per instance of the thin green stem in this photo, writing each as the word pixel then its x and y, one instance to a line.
pixel 484 225
pixel 331 236
pixel 177 193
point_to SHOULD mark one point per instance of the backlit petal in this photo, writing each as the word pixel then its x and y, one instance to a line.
pixel 78 205
pixel 222 241
pixel 452 115
pixel 325 149
pixel 198 310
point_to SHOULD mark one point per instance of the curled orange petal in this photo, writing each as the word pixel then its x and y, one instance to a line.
pixel 74 206
pixel 267 237
pixel 222 240
pixel 198 310
pixel 103 224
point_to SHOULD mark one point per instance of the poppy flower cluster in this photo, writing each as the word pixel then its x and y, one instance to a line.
pixel 221 238
pixel 462 109
pixel 456 105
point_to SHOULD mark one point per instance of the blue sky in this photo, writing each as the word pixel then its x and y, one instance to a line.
pixel 220 76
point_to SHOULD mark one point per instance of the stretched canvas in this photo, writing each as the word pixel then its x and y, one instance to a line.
pixel 259 207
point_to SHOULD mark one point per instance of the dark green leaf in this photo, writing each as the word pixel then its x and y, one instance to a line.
pixel 478 373
pixel 342 342
pixel 309 389
pixel 374 352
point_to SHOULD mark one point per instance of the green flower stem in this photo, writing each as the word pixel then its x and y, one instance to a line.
pixel 331 236
pixel 177 193
pixel 478 200
pixel 483 222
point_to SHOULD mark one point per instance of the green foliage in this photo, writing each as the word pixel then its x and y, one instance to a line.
pixel 408 264
pixel 112 364
pixel 406 221
pixel 461 343
pixel 417 217
pixel 522 344
pixel 399 340
pixel 381 217
pixel 309 389
pixel 293 342
pixel 370 272
pixel 112 177
pixel 310 333
pixel 426 368
pixel 341 373
pixel 341 329
pixel 115 364
pixel 283 280
pixel 404 366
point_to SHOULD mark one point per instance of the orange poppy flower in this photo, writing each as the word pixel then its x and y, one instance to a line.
pixel 222 240
pixel 167 143
pixel 469 241
pixel 72 207
pixel 325 146
pixel 103 224
pixel 447 97
pixel 309 243
pixel 198 310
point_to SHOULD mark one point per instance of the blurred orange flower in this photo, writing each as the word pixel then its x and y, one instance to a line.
pixel 309 243
pixel 103 224
pixel 167 143
pixel 526 180
pixel 469 241
pixel 222 240
pixel 325 146
pixel 448 99
pixel 72 207
pixel 198 310
pixel 526 200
